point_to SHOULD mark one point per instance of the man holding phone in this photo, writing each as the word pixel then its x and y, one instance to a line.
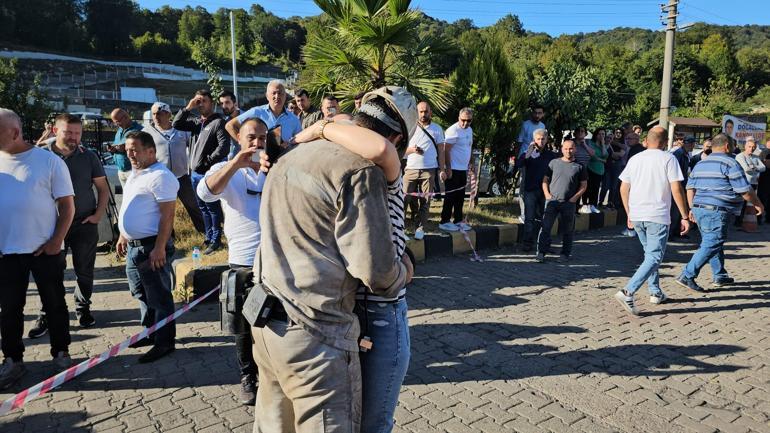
pixel 330 107
pixel 274 113
pixel 238 184
pixel 209 145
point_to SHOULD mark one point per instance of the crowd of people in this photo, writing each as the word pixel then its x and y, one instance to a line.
pixel 331 278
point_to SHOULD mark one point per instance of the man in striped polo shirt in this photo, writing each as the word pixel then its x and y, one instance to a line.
pixel 715 191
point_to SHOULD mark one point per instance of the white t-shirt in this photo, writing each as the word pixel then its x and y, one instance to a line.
pixel 420 140
pixel 461 141
pixel 240 204
pixel 30 183
pixel 527 134
pixel 650 174
pixel 140 212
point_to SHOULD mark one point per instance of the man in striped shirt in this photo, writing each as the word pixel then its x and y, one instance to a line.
pixel 715 191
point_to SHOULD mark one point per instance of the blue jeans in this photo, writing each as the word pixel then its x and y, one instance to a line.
pixel 566 213
pixel 384 366
pixel 212 213
pixel 534 203
pixel 153 291
pixel 653 237
pixel 713 226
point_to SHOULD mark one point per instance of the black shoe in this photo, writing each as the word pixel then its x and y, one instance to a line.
pixel 248 390
pixel 144 342
pixel 689 283
pixel 85 318
pixel 720 282
pixel 540 258
pixel 40 328
pixel 211 248
pixel 155 353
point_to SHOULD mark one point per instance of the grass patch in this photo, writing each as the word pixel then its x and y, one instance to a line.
pixel 186 238
pixel 488 211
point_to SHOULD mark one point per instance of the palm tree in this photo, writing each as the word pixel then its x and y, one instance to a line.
pixel 372 43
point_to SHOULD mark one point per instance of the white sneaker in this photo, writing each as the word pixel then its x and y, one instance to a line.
pixel 585 209
pixel 594 209
pixel 521 219
pixel 627 302
pixel 658 299
pixel 419 234
pixel 449 227
pixel 463 226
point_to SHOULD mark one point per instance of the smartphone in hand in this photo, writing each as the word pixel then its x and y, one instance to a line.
pixel 273 146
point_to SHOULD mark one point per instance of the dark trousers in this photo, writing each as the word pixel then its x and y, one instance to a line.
pixel 212 213
pixel 453 202
pixel 189 200
pixel 48 272
pixel 533 215
pixel 763 191
pixel 419 180
pixel 594 184
pixel 152 288
pixel 565 210
pixel 244 344
pixel 81 240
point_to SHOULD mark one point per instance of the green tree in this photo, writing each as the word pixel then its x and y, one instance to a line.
pixel 152 46
pixel 724 95
pixel 22 93
pixel 204 54
pixel 52 24
pixel 373 43
pixel 717 55
pixel 109 24
pixel 486 82
pixel 194 24
pixel 571 95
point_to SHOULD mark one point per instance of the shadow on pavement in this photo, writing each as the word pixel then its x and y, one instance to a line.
pixel 59 421
pixel 488 351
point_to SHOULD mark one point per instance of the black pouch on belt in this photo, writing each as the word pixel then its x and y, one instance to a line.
pixel 235 284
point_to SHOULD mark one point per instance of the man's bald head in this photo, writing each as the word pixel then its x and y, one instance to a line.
pixel 11 138
pixel 657 138
pixel 120 117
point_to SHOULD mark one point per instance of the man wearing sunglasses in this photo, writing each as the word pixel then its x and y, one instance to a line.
pixel 459 141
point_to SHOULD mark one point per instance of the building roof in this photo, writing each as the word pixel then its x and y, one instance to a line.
pixel 689 121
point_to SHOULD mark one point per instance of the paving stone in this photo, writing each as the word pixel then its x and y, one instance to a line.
pixel 503 345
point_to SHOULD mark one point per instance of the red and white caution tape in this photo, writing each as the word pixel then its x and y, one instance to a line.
pixel 43 387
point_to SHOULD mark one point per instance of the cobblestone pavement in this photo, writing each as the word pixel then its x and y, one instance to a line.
pixel 504 345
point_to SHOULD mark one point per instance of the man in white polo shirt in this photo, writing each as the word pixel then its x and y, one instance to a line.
pixel 238 184
pixel 146 220
pixel 422 159
pixel 37 200
pixel 459 140
pixel 649 180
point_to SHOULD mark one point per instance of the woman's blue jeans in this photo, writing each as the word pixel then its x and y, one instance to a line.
pixel 384 366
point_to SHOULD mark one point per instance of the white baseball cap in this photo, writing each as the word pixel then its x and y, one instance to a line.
pixel 161 106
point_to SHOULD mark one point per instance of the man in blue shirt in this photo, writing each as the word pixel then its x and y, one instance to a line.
pixel 715 191
pixel 121 118
pixel 273 113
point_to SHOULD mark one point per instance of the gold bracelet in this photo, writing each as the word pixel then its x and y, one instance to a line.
pixel 323 125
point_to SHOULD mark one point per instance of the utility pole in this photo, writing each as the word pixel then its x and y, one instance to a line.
pixel 232 50
pixel 668 62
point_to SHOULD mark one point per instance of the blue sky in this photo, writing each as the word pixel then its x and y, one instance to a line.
pixel 551 16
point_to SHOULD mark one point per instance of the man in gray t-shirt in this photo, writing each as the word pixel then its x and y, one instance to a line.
pixel 564 182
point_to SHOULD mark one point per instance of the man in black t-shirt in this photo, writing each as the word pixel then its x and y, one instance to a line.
pixel 564 182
